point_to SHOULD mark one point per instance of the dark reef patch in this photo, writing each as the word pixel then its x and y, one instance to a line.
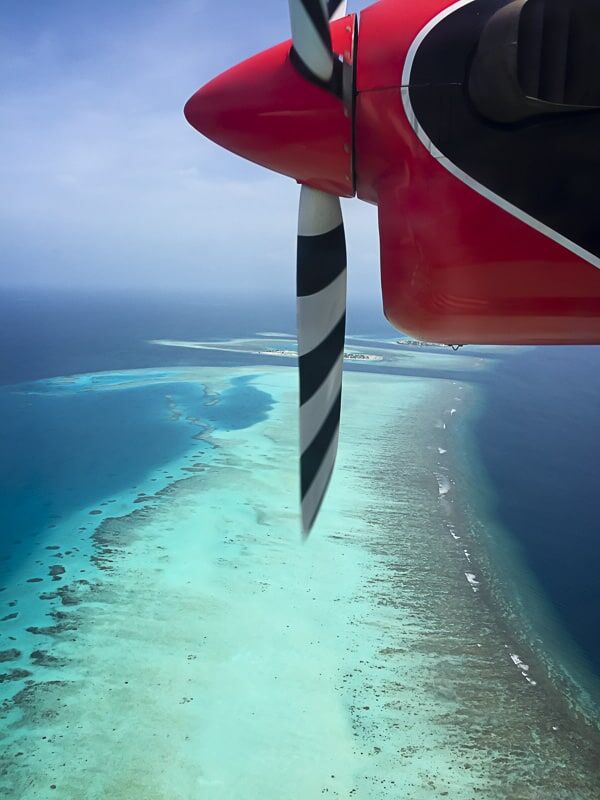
pixel 64 622
pixel 48 595
pixel 14 675
pixel 113 534
pixel 40 702
pixel 41 658
pixel 9 655
pixel 56 571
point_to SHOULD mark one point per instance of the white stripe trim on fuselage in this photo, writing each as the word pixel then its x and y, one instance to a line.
pixel 456 171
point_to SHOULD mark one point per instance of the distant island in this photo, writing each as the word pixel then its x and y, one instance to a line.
pixel 419 343
pixel 362 357
pixel 347 356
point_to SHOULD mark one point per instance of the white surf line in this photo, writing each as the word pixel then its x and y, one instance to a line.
pixel 201 345
pixel 225 348
pixel 522 667
pixel 275 335
pixel 467 556
pixel 472 580
pixel 443 485
pixel 451 530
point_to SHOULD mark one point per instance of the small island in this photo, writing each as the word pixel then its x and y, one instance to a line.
pixel 419 343
pixel 362 357
pixel 278 352
pixel 347 356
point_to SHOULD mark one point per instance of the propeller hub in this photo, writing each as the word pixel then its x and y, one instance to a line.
pixel 266 111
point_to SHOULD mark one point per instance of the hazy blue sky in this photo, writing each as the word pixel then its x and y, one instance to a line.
pixel 103 183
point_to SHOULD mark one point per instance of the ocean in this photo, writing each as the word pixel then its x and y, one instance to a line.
pixel 134 474
pixel 539 438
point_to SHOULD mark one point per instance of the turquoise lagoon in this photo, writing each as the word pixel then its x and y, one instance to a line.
pixel 167 634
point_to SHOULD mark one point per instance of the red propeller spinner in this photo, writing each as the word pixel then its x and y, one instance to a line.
pixel 266 111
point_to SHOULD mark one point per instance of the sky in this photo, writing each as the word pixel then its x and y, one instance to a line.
pixel 103 184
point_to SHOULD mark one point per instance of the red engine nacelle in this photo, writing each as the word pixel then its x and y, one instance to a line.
pixel 479 150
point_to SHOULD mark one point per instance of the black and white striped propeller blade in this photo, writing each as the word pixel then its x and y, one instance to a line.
pixel 321 289
pixel 310 34
pixel 321 277
pixel 336 9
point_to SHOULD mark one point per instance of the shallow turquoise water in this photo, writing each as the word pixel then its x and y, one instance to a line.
pixel 198 648
pixel 69 443
pixel 107 442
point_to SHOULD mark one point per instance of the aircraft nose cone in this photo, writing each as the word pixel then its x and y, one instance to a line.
pixel 266 112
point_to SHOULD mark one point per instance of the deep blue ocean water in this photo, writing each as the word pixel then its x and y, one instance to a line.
pixel 62 450
pixel 538 433
pixel 539 438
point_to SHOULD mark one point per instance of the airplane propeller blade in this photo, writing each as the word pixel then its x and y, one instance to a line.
pixel 311 37
pixel 321 291
pixel 336 9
